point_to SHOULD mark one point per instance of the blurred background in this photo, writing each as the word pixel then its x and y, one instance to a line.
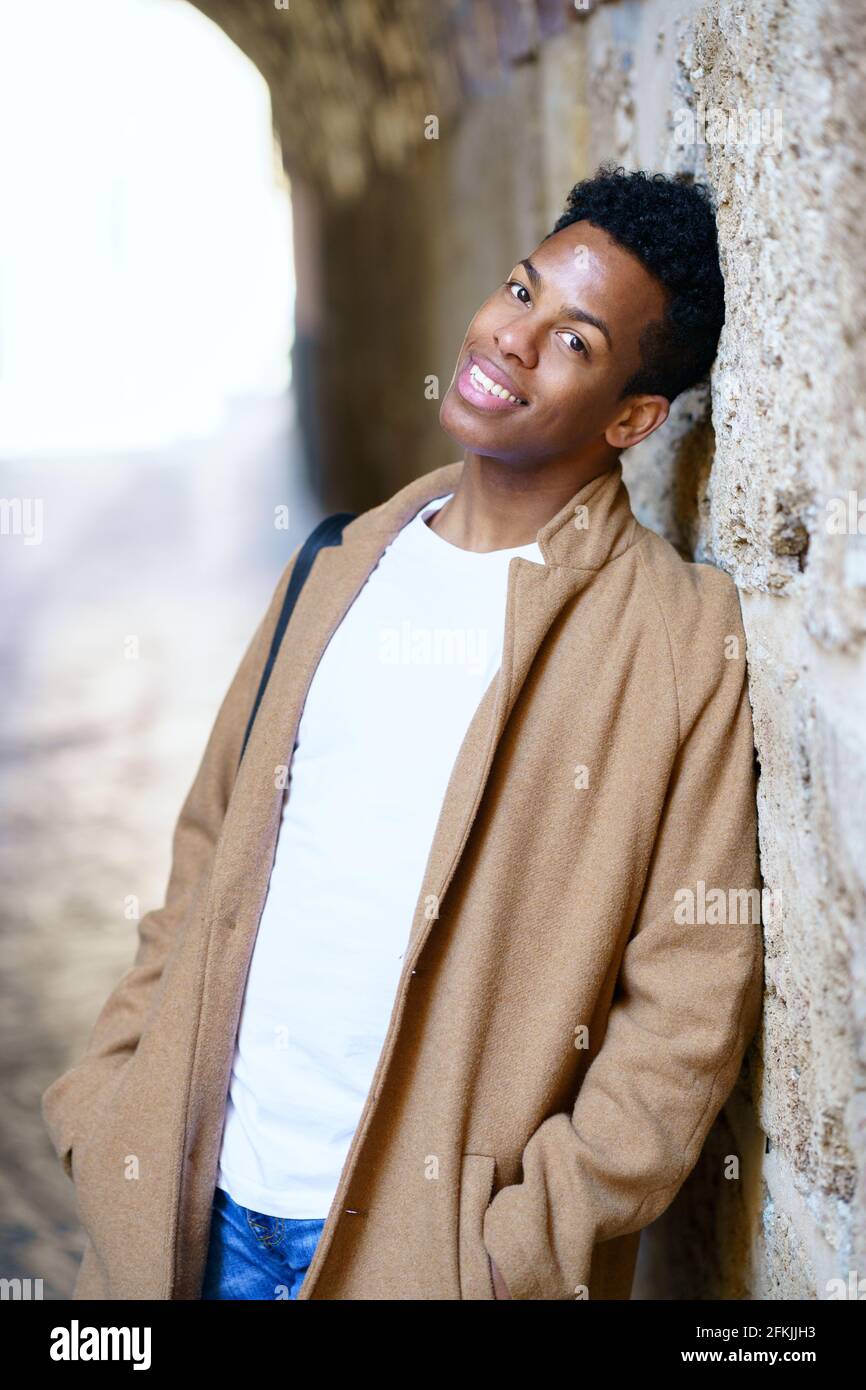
pixel 240 243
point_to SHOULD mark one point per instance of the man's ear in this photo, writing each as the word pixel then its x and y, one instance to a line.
pixel 641 415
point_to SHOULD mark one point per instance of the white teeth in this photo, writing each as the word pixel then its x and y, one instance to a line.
pixel 491 387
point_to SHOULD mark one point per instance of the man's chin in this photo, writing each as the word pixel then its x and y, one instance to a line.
pixel 467 427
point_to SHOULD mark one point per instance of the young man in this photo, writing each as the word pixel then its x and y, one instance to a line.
pixel 452 1015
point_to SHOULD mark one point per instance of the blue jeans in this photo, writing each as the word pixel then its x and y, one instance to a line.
pixel 251 1255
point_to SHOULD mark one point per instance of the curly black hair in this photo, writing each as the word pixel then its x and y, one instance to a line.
pixel 668 223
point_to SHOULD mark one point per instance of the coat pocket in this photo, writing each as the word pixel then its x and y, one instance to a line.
pixel 477 1174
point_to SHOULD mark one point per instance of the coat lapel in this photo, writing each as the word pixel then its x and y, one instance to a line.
pixel 536 595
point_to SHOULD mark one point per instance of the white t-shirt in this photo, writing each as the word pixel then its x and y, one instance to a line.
pixel 384 719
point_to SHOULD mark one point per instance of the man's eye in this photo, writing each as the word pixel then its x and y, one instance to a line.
pixel 517 285
pixel 581 345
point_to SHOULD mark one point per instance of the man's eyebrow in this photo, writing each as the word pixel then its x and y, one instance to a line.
pixel 568 311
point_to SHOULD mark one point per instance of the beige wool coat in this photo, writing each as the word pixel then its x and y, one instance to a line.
pixel 565 1029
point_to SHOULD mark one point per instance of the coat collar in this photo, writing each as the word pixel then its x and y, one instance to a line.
pixel 575 546
pixel 594 526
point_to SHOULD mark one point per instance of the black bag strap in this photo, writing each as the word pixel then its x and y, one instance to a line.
pixel 328 532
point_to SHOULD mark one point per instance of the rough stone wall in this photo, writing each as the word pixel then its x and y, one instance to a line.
pixel 414 232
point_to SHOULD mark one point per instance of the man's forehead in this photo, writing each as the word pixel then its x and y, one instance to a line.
pixel 584 247
pixel 586 258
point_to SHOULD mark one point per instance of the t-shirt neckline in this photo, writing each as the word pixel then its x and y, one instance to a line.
pixel 529 550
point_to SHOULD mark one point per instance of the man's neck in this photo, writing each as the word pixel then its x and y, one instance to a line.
pixel 497 507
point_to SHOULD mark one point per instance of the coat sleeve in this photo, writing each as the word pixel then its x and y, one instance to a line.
pixel 68 1101
pixel 685 1007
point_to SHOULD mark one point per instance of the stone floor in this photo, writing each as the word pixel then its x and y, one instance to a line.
pixel 179 551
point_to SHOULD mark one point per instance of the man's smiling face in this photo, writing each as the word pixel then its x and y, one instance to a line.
pixel 562 334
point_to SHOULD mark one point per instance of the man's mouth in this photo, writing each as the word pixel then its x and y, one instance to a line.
pixel 477 387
